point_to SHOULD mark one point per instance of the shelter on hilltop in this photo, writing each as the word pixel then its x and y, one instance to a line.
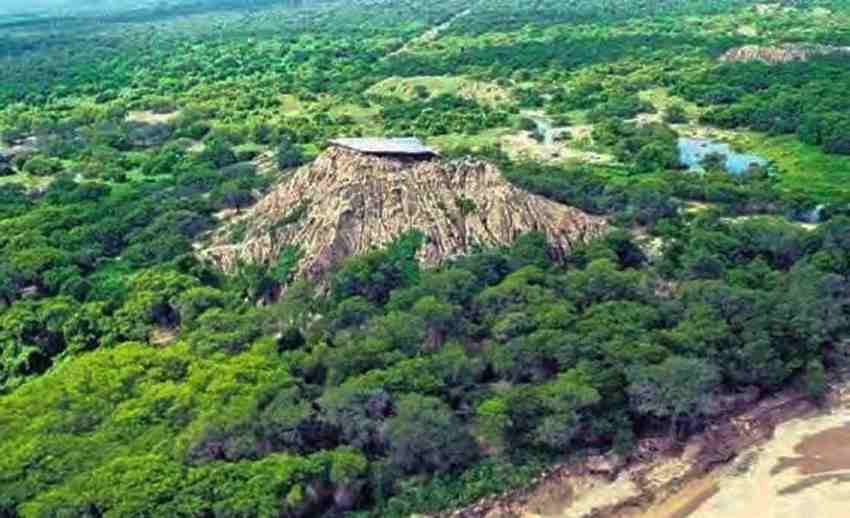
pixel 409 148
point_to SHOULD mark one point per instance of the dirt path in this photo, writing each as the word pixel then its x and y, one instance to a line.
pixel 544 127
pixel 433 33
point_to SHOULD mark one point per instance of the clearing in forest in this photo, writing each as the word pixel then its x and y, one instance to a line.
pixel 411 87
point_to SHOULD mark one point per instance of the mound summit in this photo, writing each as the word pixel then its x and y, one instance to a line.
pixel 348 202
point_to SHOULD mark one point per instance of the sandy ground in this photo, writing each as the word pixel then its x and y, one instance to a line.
pixel 804 471
pixel 580 496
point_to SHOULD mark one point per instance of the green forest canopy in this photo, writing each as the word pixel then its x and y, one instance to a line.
pixel 137 380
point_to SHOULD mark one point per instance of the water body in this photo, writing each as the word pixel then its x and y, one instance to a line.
pixel 692 151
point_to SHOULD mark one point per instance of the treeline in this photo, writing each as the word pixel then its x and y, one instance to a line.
pixel 502 15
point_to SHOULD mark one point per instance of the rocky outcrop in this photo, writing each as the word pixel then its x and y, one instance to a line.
pixel 346 203
pixel 780 54
pixel 19 149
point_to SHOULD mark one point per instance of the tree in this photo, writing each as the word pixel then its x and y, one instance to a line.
pixel 714 162
pixel 440 319
pixel 564 400
pixel 218 152
pixel 40 165
pixel 814 380
pixel 601 281
pixel 193 302
pixel 530 249
pixel 376 274
pixel 233 195
pixel 680 389
pixel 152 302
pixel 656 156
pixel 493 422
pixel 85 329
pixel 287 264
pixel 675 114
pixel 358 415
pixel 288 155
pixel 5 166
pixel 8 286
pixel 425 436
pixel 224 331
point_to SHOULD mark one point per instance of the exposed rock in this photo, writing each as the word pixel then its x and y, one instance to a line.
pixel 608 465
pixel 265 163
pixel 767 9
pixel 780 54
pixel 346 203
pixel 28 292
pixel 19 151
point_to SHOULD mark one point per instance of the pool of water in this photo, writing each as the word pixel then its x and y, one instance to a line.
pixel 693 150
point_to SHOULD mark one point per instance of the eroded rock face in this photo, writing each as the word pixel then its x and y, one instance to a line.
pixel 346 203
pixel 780 54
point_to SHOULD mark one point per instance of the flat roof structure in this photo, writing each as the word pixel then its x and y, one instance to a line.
pixel 400 147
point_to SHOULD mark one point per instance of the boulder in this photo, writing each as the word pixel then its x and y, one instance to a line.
pixel 608 465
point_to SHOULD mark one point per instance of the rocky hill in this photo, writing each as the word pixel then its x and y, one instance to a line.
pixel 780 54
pixel 346 203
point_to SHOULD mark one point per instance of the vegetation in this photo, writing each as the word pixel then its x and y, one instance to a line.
pixel 135 380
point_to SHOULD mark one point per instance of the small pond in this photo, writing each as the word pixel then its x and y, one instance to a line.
pixel 693 150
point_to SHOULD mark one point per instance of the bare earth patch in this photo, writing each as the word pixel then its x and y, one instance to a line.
pixel 748 30
pixel 705 132
pixel 149 117
pixel 802 471
pixel 523 145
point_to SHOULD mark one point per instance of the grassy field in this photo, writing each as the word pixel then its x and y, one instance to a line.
pixel 803 168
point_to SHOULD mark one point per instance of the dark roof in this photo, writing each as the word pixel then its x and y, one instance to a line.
pixel 385 146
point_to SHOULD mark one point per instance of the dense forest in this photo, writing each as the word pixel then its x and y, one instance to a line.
pixel 138 380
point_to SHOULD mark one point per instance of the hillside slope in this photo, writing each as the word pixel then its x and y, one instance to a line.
pixel 345 203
